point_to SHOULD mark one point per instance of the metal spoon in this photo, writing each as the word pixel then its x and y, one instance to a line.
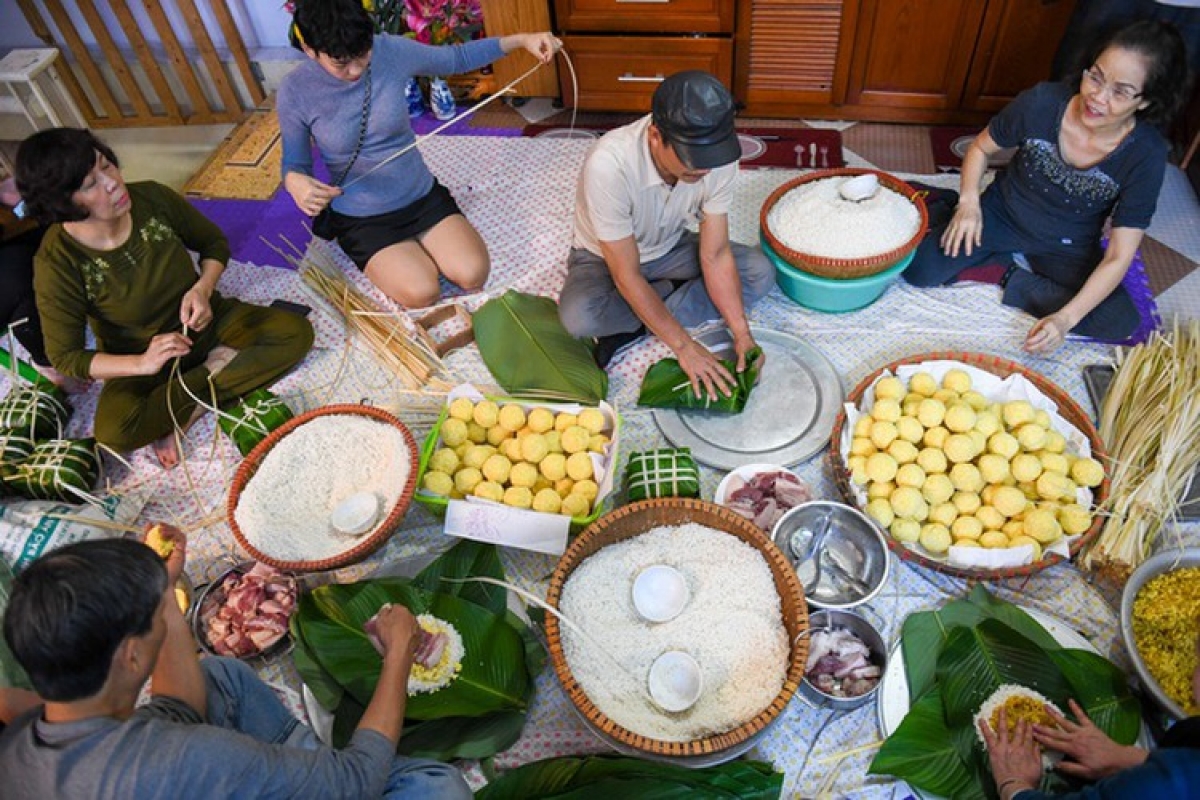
pixel 814 553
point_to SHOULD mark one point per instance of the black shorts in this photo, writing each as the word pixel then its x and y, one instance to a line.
pixel 363 237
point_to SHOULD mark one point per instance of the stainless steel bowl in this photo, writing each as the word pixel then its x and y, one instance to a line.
pixel 1151 568
pixel 201 636
pixel 830 618
pixel 854 559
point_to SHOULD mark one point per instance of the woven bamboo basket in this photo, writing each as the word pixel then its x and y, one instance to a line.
pixel 637 518
pixel 843 268
pixel 368 543
pixel 1067 408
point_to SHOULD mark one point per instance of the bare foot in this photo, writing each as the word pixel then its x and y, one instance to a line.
pixel 166 450
pixel 67 384
pixel 218 358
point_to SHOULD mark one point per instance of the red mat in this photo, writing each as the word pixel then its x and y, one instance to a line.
pixel 950 145
pixel 761 147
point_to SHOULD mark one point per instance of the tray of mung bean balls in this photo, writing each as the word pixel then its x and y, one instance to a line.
pixel 972 464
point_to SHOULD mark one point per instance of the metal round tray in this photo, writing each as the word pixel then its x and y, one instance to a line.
pixel 787 420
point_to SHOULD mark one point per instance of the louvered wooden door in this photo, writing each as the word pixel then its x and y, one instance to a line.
pixel 187 83
pixel 787 54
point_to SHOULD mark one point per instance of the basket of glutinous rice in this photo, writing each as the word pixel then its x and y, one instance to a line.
pixel 684 634
pixel 810 225
pixel 289 490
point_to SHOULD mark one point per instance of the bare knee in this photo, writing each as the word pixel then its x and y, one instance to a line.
pixel 472 277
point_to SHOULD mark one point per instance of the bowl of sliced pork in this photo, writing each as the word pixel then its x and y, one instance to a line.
pixel 245 612
pixel 762 493
pixel 846 658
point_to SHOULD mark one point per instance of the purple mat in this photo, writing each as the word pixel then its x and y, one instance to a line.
pixel 1138 285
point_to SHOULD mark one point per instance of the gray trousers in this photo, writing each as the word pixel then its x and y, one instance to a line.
pixel 590 304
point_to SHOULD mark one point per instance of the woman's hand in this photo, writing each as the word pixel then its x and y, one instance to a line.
pixel 965 231
pixel 309 194
pixel 162 349
pixel 195 311
pixel 542 46
pixel 1048 333
pixel 1017 761
pixel 1092 755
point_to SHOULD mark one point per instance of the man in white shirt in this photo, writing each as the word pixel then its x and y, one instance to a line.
pixel 634 265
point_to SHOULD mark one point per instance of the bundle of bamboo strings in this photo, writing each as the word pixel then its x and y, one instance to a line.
pixel 1150 424
pixel 399 343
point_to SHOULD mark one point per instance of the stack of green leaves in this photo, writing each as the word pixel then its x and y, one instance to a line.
pixel 37 412
pixel 482 711
pixel 249 422
pixel 665 472
pixel 955 658
pixel 612 776
pixel 666 385
pixel 57 469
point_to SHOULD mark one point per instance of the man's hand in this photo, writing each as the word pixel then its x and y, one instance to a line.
pixel 704 370
pixel 1091 755
pixel 1017 761
pixel 310 195
pixel 162 349
pixel 397 630
pixel 742 345
pixel 177 558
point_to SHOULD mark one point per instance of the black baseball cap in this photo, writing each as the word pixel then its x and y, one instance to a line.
pixel 694 112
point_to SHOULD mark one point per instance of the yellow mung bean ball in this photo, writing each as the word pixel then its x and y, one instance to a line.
pixel 540 420
pixel 543 483
pixel 908 408
pixel 547 501
pixel 461 449
pixel 862 427
pixel 597 442
pixel 1055 486
pixel 883 434
pixel 1014 527
pixel 931 413
pixel 935 437
pixel 966 528
pixel 966 502
pixel 1055 442
pixel 910 475
pixel 1030 489
pixel 880 510
pixel 938 488
pixel 454 432
pixel 975 400
pixel 523 474
pixel 462 408
pixel 511 449
pixel 1008 500
pixel 579 467
pixel 1087 472
pixel 904 452
pixel 932 460
pixel 534 448
pixel 575 505
pixel 486 413
pixel 1027 541
pixel 1042 525
pixel 444 460
pixel 935 538
pixel 956 380
pixel 593 420
pixel 497 434
pixel 987 423
pixel 943 514
pixel 564 486
pixel 966 543
pixel 1026 467
pixel 959 448
pixel 476 433
pixel 553 441
pixel 476 455
pixel 991 519
pixel 512 417
pixel 1003 444
pixel 496 468
pixel 922 383
pixel 858 472
pixel 993 468
pixel 908 503
pixel 1053 462
pixel 978 440
pixel 988 493
pixel 553 466
pixel 575 439
pixel 587 489
pixel 960 418
pixel 886 410
pixel 1031 437
pixel 947 397
pixel 1074 519
pixel 564 420
pixel 889 387
pixel 1017 413
pixel 993 540
pixel 966 478
pixel 489 490
pixel 1042 417
pixel 881 467
pixel 905 530
pixel 438 482
pixel 862 446
pixel 877 490
pixel 910 429
pixel 518 497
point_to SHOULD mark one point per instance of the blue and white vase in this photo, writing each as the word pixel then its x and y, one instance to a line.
pixel 441 101
pixel 414 98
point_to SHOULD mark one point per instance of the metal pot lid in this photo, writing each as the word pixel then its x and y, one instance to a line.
pixel 789 416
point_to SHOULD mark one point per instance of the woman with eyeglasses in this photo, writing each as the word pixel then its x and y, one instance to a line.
pixel 1086 153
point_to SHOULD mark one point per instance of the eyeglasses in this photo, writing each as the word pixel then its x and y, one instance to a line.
pixel 1122 92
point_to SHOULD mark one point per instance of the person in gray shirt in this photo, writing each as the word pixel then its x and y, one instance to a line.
pixel 91 622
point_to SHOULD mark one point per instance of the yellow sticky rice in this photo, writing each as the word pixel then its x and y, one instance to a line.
pixel 424 679
pixel 1021 703
pixel 1166 620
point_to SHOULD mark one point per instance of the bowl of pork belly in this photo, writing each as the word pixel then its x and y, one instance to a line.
pixel 762 493
pixel 245 612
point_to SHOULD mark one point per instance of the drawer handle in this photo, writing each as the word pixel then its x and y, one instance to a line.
pixel 629 77
pixel 646 2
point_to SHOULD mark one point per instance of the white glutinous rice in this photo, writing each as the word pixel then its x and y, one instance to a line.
pixel 732 626
pixel 284 511
pixel 815 219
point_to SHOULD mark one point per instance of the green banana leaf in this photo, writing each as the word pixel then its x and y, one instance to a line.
pixel 923 751
pixel 1103 691
pixel 466 559
pixel 452 738
pixel 11 673
pixel 612 776
pixel 493 676
pixel 666 385
pixel 327 691
pixel 529 352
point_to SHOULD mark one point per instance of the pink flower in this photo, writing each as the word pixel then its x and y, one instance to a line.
pixel 443 21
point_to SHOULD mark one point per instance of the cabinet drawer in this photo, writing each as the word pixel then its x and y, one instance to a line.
pixel 645 16
pixel 620 73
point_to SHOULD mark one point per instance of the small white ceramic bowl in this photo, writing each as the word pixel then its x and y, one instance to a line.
pixel 660 593
pixel 355 515
pixel 675 681
pixel 741 476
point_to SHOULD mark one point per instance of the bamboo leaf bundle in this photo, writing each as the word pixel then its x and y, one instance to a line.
pixel 1150 424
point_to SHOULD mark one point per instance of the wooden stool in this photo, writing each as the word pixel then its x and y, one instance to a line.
pixel 24 66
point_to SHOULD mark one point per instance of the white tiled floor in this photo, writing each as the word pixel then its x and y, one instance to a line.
pixel 1177 225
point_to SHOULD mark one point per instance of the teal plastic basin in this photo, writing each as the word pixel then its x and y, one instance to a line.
pixel 830 294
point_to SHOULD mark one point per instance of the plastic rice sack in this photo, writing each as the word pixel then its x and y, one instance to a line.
pixel 32 528
pixel 662 473
pixel 666 385
pixel 11 674
pixel 57 469
pixel 37 412
pixel 15 447
pixel 259 413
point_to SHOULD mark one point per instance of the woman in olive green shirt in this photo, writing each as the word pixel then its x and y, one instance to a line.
pixel 117 257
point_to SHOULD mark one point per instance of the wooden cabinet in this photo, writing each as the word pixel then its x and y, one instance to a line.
pixel 1015 50
pixel 622 49
pixel 503 17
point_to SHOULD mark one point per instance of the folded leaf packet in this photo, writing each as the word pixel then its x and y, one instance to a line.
pixel 666 385
pixel 57 469
pixel 35 411
pixel 665 472
pixel 249 422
